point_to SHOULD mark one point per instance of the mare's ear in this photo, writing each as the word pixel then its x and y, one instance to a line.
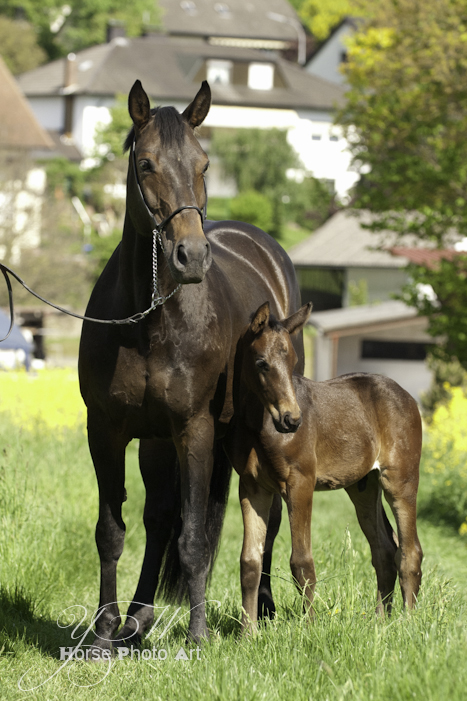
pixel 138 106
pixel 260 318
pixel 197 111
pixel 297 321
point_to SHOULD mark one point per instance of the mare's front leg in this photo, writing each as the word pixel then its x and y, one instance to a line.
pixel 159 470
pixel 299 499
pixel 256 504
pixel 195 448
pixel 108 454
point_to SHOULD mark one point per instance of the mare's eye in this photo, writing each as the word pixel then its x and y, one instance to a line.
pixel 262 365
pixel 145 165
pixel 206 167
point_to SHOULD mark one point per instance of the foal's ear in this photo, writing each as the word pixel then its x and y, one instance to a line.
pixel 297 321
pixel 197 111
pixel 260 318
pixel 138 105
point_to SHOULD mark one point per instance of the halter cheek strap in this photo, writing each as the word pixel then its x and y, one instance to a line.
pixel 159 228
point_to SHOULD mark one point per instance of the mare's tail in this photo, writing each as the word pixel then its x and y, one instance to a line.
pixel 172 584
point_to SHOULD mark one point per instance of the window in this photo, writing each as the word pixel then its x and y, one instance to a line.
pixel 316 137
pixel 219 72
pixel 394 350
pixel 189 7
pixel 261 76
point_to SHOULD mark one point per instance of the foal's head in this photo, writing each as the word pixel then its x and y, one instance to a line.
pixel 170 168
pixel 269 359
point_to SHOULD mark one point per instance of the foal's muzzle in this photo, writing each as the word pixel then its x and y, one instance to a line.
pixel 288 423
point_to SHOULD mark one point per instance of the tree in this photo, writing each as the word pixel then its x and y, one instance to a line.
pixel 19 47
pixel 80 23
pixel 321 16
pixel 258 160
pixel 406 122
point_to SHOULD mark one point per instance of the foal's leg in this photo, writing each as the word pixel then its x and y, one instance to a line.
pixel 266 607
pixel 157 464
pixel 400 486
pixel 108 454
pixel 366 497
pixel 256 503
pixel 299 504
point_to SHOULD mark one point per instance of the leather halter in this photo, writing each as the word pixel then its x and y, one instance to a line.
pixel 159 228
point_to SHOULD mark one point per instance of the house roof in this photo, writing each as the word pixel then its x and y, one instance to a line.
pixel 19 128
pixel 364 318
pixel 169 69
pixel 234 18
pixel 343 242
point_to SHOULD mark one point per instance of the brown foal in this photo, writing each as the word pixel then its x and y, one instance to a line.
pixel 290 435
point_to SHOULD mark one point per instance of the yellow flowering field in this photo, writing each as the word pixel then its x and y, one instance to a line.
pixel 443 480
pixel 48 398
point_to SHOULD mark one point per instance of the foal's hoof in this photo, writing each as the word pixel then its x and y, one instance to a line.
pixel 266 607
pixel 127 637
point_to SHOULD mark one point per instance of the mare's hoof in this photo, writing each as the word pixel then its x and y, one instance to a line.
pixel 95 653
pixel 266 607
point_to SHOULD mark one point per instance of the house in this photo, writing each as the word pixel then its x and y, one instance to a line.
pixel 250 88
pixel 387 339
pixel 332 54
pixel 342 256
pixel 262 24
pixel 22 182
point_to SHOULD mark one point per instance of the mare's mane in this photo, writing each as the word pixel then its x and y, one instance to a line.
pixel 168 122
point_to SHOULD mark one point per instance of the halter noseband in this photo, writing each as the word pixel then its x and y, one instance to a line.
pixel 159 228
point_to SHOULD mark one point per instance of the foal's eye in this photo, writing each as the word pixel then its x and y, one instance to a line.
pixel 145 165
pixel 261 364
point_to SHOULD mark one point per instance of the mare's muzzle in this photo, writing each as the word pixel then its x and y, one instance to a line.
pixel 191 259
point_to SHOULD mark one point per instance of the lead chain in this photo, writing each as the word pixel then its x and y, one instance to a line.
pixel 157 299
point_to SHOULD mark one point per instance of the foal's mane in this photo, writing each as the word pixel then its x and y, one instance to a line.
pixel 168 122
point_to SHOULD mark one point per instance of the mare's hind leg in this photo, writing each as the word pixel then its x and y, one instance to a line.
pixel 400 489
pixel 162 506
pixel 266 607
pixel 366 497
pixel 108 454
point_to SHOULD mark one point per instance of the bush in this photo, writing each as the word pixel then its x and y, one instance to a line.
pixel 253 208
pixel 443 475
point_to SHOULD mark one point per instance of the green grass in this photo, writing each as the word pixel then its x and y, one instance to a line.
pixel 48 562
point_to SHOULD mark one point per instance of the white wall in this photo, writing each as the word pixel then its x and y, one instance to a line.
pixel 327 61
pixel 323 158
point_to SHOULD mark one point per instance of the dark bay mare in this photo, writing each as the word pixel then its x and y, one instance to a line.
pixel 292 436
pixel 168 379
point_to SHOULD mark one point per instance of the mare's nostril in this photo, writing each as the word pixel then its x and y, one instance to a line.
pixel 181 255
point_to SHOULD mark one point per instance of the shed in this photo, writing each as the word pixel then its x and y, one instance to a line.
pixel 386 339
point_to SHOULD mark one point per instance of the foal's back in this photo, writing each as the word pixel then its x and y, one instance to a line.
pixel 354 423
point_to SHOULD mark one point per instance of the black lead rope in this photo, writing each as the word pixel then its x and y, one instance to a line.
pixel 7 271
pixel 156 300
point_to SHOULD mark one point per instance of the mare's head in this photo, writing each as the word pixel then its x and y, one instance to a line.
pixel 170 166
pixel 269 359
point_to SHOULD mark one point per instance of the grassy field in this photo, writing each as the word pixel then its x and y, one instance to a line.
pixel 49 580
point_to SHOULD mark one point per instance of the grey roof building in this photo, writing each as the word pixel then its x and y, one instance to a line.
pixel 171 69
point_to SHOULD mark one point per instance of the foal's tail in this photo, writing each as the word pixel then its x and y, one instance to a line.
pixel 172 584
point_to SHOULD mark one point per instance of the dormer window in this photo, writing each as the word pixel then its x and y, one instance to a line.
pixel 219 72
pixel 261 76
pixel 223 10
pixel 189 7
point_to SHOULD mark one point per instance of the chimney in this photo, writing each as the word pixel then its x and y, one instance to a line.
pixel 69 83
pixel 115 29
